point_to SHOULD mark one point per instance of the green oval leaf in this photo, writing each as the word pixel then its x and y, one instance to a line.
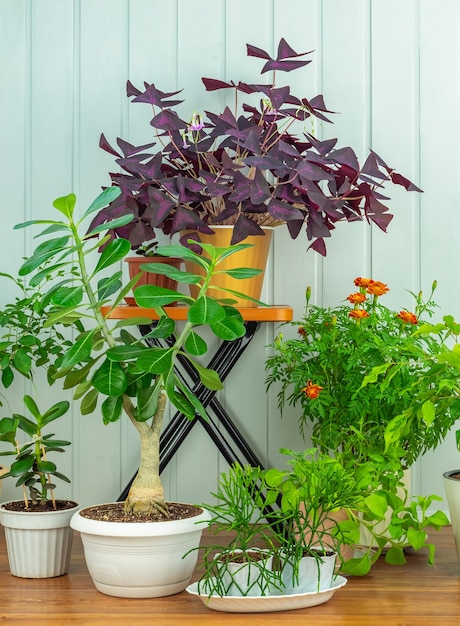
pixel 68 296
pixel 110 379
pixel 195 345
pixel 155 361
pixel 230 328
pixel 42 253
pixel 80 350
pixel 89 402
pixel 112 409
pixel 205 310
pixel 151 296
pixel 114 251
pixel 22 466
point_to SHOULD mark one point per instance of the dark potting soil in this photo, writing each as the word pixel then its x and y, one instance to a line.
pixel 114 512
pixel 39 507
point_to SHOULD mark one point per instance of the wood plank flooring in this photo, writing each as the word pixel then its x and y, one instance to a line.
pixel 411 595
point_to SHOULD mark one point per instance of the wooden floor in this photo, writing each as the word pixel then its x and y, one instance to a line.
pixel 414 594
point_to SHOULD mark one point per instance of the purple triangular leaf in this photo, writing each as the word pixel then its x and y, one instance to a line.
pixel 398 179
pixel 278 97
pixel 346 156
pixel 283 66
pixel 244 227
pixel 284 211
pixel 252 51
pixel 286 52
pixel 185 219
pixel 131 90
pixel 213 84
pixel 104 144
pixel 318 246
pixel 128 149
pixel 161 205
pixel 168 120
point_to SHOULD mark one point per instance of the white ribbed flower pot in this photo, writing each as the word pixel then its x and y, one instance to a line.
pixel 452 487
pixel 140 559
pixel 38 544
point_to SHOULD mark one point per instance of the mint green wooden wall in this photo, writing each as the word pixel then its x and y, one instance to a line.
pixel 388 67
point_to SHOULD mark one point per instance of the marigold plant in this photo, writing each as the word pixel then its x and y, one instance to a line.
pixel 368 380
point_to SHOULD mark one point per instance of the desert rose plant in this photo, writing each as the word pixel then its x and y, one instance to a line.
pixel 106 360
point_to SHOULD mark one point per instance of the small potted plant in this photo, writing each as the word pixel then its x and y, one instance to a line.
pixel 243 566
pixel 108 362
pixel 243 169
pixel 283 540
pixel 37 528
pixel 354 370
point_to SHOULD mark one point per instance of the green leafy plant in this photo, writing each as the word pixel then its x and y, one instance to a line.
pixel 32 467
pixel 405 524
pixel 25 344
pixel 242 509
pixel 311 493
pixel 106 360
pixel 367 378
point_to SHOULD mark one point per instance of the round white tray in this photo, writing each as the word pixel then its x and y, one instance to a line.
pixel 266 604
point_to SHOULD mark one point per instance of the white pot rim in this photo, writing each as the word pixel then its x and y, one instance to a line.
pixel 449 473
pixel 139 529
pixel 5 511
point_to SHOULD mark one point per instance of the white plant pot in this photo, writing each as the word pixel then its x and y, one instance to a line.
pixel 452 487
pixel 246 579
pixel 38 544
pixel 140 560
pixel 313 574
pixel 366 538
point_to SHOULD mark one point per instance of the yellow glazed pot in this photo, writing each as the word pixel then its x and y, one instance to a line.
pixel 255 257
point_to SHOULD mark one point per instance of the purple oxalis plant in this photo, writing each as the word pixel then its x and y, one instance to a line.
pixel 245 168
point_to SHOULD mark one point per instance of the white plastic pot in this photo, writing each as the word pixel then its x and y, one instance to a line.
pixel 140 559
pixel 251 578
pixel 314 574
pixel 452 487
pixel 38 544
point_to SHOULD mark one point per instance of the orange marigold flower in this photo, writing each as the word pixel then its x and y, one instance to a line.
pixel 376 288
pixel 301 330
pixel 358 314
pixel 362 282
pixel 356 298
pixel 312 391
pixel 408 317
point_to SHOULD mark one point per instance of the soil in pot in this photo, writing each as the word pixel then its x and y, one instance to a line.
pixel 114 512
pixel 243 557
pixel 39 507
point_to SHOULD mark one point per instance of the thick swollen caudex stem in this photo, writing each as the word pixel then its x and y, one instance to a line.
pixel 146 494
